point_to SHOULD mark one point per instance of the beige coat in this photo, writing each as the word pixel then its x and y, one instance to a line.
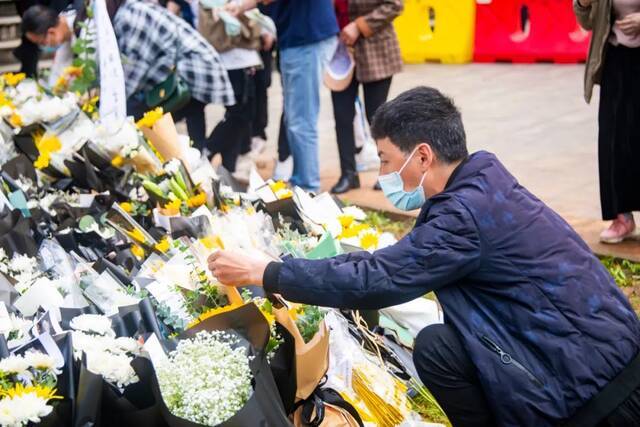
pixel 596 18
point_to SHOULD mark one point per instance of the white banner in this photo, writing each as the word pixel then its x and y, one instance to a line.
pixel 113 99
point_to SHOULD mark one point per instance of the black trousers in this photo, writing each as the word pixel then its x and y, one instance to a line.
pixel 233 133
pixel 445 368
pixel 263 83
pixel 344 111
pixel 193 113
pixel 619 132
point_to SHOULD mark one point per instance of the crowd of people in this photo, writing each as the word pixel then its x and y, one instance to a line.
pixel 224 52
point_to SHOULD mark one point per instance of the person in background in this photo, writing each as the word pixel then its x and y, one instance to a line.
pixel 307 32
pixel 536 332
pixel 28 52
pixel 53 33
pixel 366 25
pixel 232 135
pixel 614 63
pixel 153 43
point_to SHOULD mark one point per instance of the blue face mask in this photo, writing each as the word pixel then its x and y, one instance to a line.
pixel 393 189
pixel 49 49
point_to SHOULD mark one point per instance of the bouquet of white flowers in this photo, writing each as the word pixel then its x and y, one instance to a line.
pixel 27 384
pixel 218 374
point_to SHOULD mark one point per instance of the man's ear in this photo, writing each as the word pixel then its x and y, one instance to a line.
pixel 426 155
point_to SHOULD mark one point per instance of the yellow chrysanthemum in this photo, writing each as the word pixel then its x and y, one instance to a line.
pixel 369 240
pixel 212 242
pixel 150 118
pixel 213 312
pixel 73 71
pixel 352 231
pixel 277 186
pixel 284 194
pixel 345 220
pixel 127 207
pixel 163 245
pixel 136 235
pixel 16 120
pixel 41 391
pixel 12 79
pixel 43 160
pixel 5 102
pixel 268 316
pixel 48 142
pixel 172 207
pixel 117 161
pixel 197 200
pixel 137 251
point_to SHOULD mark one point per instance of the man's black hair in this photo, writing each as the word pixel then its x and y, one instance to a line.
pixel 422 115
pixel 38 19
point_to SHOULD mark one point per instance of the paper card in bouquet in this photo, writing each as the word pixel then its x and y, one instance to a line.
pixel 107 293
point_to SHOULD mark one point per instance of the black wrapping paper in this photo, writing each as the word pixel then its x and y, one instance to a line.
pixel 15 234
pixel 264 407
pixel 283 368
pixel 20 166
pixel 67 314
pixel 88 404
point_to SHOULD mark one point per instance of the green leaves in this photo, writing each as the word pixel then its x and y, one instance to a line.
pixel 308 321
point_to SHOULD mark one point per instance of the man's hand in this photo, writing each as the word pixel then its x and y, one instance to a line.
pixel 630 24
pixel 233 268
pixel 585 3
pixel 350 34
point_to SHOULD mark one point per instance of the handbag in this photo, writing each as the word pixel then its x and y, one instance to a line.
pixel 172 94
pixel 213 29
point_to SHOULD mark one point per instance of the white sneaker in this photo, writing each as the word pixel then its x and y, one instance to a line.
pixel 258 145
pixel 283 170
pixel 244 164
pixel 367 159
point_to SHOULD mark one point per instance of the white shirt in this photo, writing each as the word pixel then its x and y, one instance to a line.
pixel 64 55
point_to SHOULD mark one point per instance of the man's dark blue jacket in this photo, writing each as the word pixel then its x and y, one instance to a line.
pixel 512 277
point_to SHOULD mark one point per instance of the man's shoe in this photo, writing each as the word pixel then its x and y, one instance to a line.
pixel 283 170
pixel 620 229
pixel 346 183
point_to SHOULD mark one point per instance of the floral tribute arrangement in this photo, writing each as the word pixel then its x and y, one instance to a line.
pixel 108 312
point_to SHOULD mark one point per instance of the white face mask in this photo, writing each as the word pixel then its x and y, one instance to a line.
pixel 393 189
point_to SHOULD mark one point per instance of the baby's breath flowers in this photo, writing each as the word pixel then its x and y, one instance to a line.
pixel 206 380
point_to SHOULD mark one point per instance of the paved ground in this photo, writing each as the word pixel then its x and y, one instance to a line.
pixel 532 116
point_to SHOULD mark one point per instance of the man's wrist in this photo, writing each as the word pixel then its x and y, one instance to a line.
pixel 271 276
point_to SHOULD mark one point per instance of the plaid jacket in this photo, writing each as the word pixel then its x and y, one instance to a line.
pixel 377 52
pixel 152 41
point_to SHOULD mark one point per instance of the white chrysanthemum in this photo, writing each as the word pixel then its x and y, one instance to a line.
pixel 23 264
pixel 38 360
pixel 386 239
pixel 92 324
pixel 354 211
pixel 22 409
pixel 206 380
pixel 85 343
pixel 128 345
pixel 14 365
pixel 114 368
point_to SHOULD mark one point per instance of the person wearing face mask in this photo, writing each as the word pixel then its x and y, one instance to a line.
pixel 536 332
pixel 54 33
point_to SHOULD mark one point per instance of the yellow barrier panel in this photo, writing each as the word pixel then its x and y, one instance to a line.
pixel 437 30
